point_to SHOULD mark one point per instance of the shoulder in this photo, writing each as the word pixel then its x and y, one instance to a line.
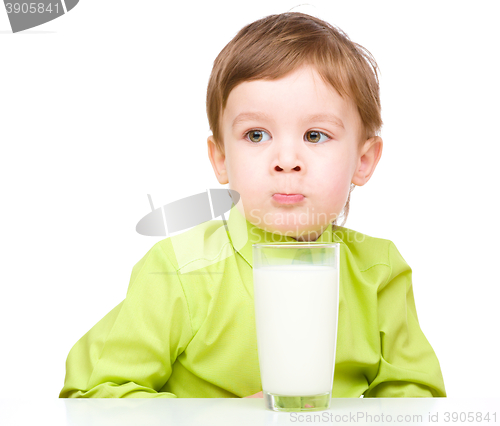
pixel 364 250
pixel 198 247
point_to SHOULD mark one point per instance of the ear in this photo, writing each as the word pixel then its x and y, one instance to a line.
pixel 218 160
pixel 369 156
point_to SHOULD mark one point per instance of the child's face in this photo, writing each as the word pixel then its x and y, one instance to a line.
pixel 291 153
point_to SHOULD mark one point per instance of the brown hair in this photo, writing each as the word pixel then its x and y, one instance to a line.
pixel 276 45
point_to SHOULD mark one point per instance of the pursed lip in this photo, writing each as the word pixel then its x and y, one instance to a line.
pixel 286 193
pixel 288 198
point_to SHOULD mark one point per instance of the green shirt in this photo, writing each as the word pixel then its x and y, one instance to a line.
pixel 186 327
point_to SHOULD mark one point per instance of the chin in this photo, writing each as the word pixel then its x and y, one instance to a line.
pixel 293 231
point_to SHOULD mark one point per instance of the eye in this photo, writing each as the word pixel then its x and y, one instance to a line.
pixel 314 136
pixel 255 135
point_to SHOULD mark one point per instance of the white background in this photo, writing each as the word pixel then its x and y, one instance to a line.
pixel 107 104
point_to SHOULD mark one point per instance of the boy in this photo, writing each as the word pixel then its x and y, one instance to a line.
pixel 294 109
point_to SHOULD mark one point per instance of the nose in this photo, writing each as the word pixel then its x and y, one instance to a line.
pixel 288 158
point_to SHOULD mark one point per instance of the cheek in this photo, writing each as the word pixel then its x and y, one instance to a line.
pixel 335 178
pixel 333 187
pixel 244 174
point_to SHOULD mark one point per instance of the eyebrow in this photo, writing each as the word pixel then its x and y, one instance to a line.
pixel 246 116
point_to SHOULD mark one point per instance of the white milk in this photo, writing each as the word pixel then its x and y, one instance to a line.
pixel 296 318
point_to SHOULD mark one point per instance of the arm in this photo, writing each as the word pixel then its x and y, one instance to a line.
pixel 130 352
pixel 408 365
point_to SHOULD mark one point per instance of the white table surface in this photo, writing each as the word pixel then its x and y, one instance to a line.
pixel 239 411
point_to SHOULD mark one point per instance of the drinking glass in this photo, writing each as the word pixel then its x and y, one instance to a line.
pixel 296 292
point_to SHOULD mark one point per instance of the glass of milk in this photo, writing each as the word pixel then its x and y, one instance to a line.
pixel 296 293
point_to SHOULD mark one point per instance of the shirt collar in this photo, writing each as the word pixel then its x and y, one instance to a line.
pixel 244 234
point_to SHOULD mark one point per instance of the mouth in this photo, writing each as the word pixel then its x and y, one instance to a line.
pixel 288 198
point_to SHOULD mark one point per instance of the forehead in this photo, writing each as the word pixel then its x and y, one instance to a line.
pixel 298 95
